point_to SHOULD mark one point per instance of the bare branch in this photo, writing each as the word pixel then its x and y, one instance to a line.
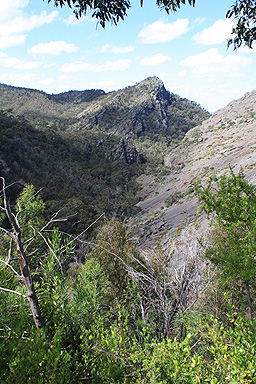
pixel 201 292
pixel 11 291
pixel 109 353
pixel 77 237
pixel 5 187
pixel 51 221
pixel 85 230
pixel 10 234
pixel 9 252
pixel 23 263
pixel 13 270
pixel 52 251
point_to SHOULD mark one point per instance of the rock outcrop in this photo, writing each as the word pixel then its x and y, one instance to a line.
pixel 126 152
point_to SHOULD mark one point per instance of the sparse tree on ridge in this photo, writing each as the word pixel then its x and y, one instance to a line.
pixel 243 12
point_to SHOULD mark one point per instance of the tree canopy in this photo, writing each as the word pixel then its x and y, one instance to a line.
pixel 243 12
pixel 113 11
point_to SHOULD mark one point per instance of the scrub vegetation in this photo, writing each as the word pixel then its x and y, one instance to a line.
pixel 111 313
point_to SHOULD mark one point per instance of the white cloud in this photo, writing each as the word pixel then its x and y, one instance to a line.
pixel 212 62
pixel 162 75
pixel 182 73
pixel 53 48
pixel 157 59
pixel 10 41
pixel 219 32
pixel 113 49
pixel 208 57
pixel 103 84
pixel 161 32
pixel 17 79
pixel 246 49
pixel 14 22
pixel 200 20
pixel 23 23
pixel 9 11
pixel 79 66
pixel 236 61
pixel 11 8
pixel 48 81
pixel 14 62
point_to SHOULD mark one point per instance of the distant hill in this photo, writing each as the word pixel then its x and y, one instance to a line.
pixel 85 148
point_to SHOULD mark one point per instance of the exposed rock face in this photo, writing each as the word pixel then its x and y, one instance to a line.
pixel 144 109
pixel 126 152
pixel 228 138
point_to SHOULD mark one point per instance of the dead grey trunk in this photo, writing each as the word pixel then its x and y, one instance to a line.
pixel 31 293
pixel 25 277
pixel 249 299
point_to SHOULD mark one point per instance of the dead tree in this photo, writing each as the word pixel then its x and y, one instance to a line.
pixel 21 245
pixel 25 273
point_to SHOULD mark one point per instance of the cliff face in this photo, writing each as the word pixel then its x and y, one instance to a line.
pixel 86 147
pixel 141 112
pixel 227 138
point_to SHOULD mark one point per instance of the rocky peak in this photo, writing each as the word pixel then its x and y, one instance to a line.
pixel 146 109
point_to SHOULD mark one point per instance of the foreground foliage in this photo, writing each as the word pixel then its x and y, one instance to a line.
pixel 93 328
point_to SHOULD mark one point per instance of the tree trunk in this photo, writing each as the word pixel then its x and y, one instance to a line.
pixel 31 293
pixel 24 265
pixel 249 299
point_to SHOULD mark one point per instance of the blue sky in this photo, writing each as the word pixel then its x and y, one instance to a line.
pixel 46 48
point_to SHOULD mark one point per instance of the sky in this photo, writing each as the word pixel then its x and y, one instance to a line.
pixel 47 48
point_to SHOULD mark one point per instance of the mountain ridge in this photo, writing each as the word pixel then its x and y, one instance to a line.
pixel 94 106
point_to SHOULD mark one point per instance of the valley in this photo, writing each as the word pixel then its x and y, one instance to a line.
pixel 125 279
pixel 85 149
pixel 137 152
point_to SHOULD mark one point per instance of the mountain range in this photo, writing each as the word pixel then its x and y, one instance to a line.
pixel 135 153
